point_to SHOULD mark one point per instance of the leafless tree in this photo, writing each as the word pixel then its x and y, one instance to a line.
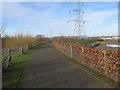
pixel 3 26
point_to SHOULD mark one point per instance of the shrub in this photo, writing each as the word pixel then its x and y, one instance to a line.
pixel 18 40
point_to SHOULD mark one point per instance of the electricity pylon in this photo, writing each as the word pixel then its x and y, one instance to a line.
pixel 79 29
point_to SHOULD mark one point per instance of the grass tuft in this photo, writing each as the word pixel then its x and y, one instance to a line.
pixel 12 76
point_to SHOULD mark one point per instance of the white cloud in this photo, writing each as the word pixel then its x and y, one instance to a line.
pixel 43 21
pixel 60 0
pixel 0 13
pixel 102 23
pixel 34 20
pixel 99 17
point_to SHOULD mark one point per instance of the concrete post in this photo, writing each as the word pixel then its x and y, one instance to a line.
pixel 71 51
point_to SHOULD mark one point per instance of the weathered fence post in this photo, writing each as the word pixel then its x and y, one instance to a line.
pixel 105 58
pixel 82 50
pixel 71 51
pixel 10 60
pixel 82 54
pixel 22 49
pixel 0 62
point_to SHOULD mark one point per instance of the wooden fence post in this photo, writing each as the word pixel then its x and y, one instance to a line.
pixel 10 61
pixel 105 58
pixel 71 51
pixel 82 50
pixel 22 49
pixel 82 55
pixel 0 62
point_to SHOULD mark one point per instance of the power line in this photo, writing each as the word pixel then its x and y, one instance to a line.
pixel 79 22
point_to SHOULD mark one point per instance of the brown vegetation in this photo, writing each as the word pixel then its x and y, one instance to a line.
pixel 18 40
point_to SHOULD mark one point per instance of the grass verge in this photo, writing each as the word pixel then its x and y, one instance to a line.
pixel 92 72
pixel 12 76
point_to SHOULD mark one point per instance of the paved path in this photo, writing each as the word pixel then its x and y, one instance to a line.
pixel 49 69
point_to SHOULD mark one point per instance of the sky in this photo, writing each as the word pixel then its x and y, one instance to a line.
pixel 51 18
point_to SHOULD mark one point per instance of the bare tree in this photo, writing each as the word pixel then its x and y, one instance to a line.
pixel 2 29
pixel 3 26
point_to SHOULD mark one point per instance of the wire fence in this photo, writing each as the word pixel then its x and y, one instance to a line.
pixel 105 62
pixel 7 54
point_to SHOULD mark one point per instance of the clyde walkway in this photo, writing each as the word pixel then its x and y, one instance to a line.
pixel 47 68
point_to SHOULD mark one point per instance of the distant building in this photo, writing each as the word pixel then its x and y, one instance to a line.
pixel 106 38
pixel 110 38
pixel 40 36
pixel 116 38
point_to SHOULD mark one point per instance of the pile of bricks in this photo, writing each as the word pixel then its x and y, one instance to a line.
pixel 104 62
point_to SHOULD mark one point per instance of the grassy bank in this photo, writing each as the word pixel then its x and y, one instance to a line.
pixel 84 42
pixel 12 76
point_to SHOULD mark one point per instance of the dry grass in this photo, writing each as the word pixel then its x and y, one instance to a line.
pixel 18 40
